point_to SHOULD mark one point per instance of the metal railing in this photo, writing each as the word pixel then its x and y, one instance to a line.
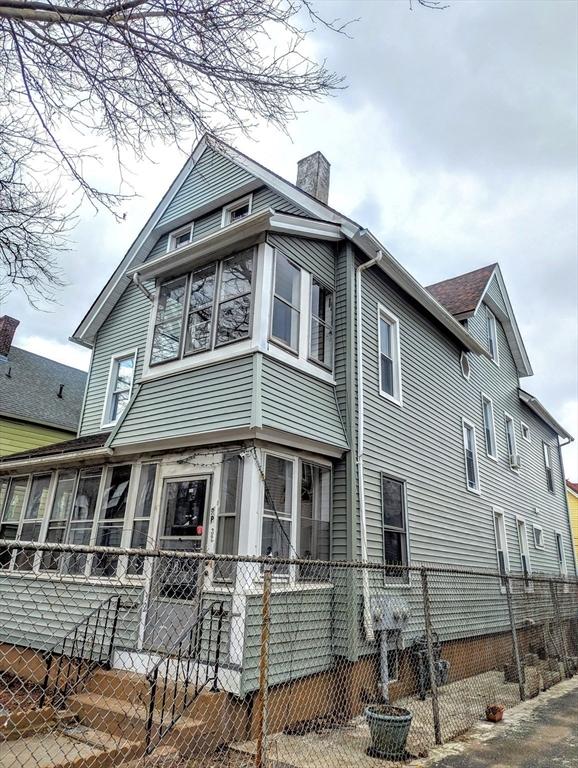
pixel 84 648
pixel 187 672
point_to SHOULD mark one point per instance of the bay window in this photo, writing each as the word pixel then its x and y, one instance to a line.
pixel 286 303
pixel 208 308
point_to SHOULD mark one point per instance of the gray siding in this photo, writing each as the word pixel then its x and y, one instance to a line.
pixel 216 397
pixel 495 294
pixel 295 402
pixel 314 256
pixel 38 612
pixel 212 176
pixel 124 329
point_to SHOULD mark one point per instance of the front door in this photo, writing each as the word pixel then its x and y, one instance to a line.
pixel 175 583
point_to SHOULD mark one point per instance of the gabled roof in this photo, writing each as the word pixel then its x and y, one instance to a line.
pixel 29 387
pixel 535 405
pixel 137 253
pixel 461 295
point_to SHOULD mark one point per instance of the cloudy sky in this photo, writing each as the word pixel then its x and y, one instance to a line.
pixel 455 142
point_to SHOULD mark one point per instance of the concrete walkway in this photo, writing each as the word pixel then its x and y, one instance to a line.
pixel 542 733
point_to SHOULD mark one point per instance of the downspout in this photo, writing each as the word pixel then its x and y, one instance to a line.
pixel 367 620
pixel 137 281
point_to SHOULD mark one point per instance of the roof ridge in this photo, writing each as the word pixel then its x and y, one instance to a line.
pixel 463 274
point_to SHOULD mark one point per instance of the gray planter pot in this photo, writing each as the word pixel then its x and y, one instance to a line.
pixel 389 727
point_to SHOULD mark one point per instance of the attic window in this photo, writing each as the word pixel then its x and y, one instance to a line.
pixel 180 237
pixel 492 336
pixel 237 210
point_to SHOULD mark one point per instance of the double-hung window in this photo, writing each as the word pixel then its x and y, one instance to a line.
pixel 471 457
pixel 14 496
pixel 501 547
pixel 209 307
pixel 321 331
pixel 119 387
pixel 141 518
pixel 32 521
pixel 547 451
pixel 489 427
pixel 560 554
pixel 511 442
pixel 394 520
pixel 524 554
pixel 492 336
pixel 389 356
pixel 111 518
pixel 285 319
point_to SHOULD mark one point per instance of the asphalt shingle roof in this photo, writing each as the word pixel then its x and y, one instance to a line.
pixel 84 443
pixel 29 386
pixel 460 295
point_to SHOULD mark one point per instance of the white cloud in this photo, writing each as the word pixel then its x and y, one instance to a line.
pixel 63 352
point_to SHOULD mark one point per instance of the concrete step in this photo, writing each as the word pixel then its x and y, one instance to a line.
pixel 86 749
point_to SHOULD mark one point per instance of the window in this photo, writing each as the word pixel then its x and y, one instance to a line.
pixel 142 515
pixel 501 546
pixel 389 358
pixel 489 427
pixel 321 332
pixel 525 430
pixel 560 553
pixel 492 336
pixel 33 516
pixel 524 554
pixel 119 387
pixel 394 525
pixel 296 516
pixel 548 467
pixel 59 517
pixel 181 237
pixel 465 365
pixel 511 442
pixel 82 518
pixel 228 518
pixel 213 303
pixel 15 496
pixel 286 303
pixel 538 536
pixel 471 457
pixel 111 519
pixel 237 210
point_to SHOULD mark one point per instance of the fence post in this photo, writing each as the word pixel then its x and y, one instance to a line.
pixel 515 648
pixel 261 752
pixel 430 658
pixel 558 617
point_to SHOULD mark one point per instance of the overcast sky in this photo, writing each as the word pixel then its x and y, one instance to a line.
pixel 455 142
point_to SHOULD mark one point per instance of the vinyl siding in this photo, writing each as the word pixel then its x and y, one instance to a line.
pixel 297 403
pixel 16 436
pixel 123 330
pixel 495 294
pixel 38 612
pixel 314 256
pixel 206 399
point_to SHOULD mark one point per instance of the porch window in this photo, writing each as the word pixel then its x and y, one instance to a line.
pixel 59 517
pixel 394 523
pixel 209 307
pixel 286 303
pixel 228 518
pixel 277 531
pixel 321 332
pixel 111 519
pixel 33 516
pixel 81 522
pixel 15 496
pixel 142 515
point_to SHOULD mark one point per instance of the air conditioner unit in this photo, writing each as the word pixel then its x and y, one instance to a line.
pixel 515 460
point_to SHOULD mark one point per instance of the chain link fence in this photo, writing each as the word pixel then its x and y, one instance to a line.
pixel 183 659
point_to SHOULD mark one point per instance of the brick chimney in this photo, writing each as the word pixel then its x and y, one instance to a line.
pixel 313 176
pixel 8 326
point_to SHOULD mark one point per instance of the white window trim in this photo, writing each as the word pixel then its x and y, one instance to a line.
pixel 478 488
pixel 508 418
pixel 522 530
pixel 492 321
pixel 523 426
pixel 562 564
pixel 171 240
pixel 105 420
pixel 393 321
pixel 547 452
pixel 499 520
pixel 302 349
pixel 230 207
pixel 539 528
pixel 310 357
pixel 465 361
pixel 486 399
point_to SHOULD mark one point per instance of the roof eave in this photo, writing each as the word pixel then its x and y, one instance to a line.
pixel 536 406
pixel 56 459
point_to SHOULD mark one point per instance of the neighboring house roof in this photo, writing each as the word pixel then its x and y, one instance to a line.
pixel 137 253
pixel 30 386
pixel 85 443
pixel 572 487
pixel 461 295
pixel 535 405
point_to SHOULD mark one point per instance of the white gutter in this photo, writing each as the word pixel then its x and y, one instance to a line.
pixel 55 458
pixel 535 405
pixel 367 620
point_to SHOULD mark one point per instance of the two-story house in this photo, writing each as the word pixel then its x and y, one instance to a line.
pixel 266 379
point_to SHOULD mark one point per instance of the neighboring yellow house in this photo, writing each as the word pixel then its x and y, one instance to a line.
pixel 40 399
pixel 572 494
